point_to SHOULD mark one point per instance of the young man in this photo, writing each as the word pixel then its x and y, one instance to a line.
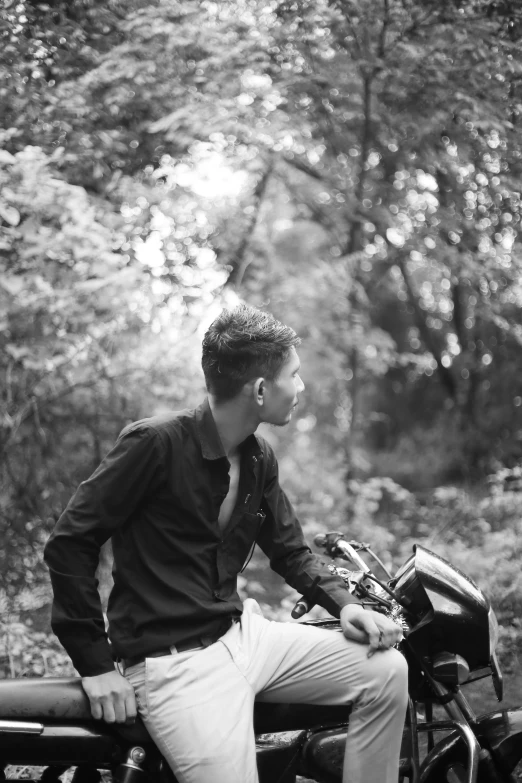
pixel 184 497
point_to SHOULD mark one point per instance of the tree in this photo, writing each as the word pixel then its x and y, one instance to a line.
pixel 79 339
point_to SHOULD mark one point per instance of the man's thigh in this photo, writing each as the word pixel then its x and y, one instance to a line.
pixel 197 707
pixel 317 666
pixel 320 666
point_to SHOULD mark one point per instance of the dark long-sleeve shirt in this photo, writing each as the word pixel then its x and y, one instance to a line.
pixel 158 495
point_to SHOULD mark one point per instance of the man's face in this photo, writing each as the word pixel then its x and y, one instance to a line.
pixel 281 395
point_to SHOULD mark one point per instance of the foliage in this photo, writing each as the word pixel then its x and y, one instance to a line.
pixel 76 317
pixel 341 111
pixel 352 166
pixel 420 456
pixel 27 651
pixel 479 535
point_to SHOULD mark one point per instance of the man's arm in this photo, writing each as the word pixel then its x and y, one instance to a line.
pixel 282 540
pixel 100 505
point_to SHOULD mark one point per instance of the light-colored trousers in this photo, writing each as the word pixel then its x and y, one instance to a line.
pixel 198 705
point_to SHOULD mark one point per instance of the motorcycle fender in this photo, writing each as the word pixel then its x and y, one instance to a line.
pixel 500 732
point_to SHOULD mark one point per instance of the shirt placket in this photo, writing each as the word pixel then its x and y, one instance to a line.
pixel 219 494
pixel 247 487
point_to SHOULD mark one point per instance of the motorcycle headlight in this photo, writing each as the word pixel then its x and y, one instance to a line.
pixel 493 631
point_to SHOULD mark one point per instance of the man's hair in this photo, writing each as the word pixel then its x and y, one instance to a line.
pixel 242 344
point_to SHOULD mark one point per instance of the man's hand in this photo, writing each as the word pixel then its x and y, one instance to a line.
pixel 111 697
pixel 368 627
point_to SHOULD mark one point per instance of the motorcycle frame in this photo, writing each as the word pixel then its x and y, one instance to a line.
pixel 459 714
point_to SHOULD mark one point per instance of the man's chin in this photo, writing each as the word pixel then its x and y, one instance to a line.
pixel 287 419
pixel 281 422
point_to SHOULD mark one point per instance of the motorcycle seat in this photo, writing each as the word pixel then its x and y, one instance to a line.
pixel 62 699
pixel 44 698
pixel 56 699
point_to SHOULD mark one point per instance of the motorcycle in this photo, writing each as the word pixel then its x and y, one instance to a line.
pixel 450 635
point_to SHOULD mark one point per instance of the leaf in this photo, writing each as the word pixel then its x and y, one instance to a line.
pixel 17 352
pixel 6 157
pixel 9 214
pixel 14 285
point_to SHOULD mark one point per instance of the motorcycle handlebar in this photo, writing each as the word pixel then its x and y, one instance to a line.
pixel 335 545
pixel 301 607
pixel 347 549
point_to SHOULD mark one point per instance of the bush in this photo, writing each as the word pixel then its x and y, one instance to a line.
pixel 479 535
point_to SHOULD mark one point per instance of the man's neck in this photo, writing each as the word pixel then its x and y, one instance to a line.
pixel 233 422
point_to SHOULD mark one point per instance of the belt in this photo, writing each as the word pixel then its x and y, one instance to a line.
pixel 193 643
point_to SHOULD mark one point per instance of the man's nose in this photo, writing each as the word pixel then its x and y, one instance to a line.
pixel 301 387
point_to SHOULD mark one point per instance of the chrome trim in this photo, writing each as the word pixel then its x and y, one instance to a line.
pixel 353 555
pixel 438 725
pixel 465 707
pixel 135 758
pixel 20 727
pixel 498 680
pixel 462 726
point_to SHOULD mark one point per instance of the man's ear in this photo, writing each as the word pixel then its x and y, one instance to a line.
pixel 259 390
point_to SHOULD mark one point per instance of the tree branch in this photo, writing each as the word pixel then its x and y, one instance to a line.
pixel 238 260
pixel 365 142
pixel 446 376
pixel 382 36
pixel 300 165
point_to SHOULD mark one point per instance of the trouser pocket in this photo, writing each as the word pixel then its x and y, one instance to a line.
pixel 137 677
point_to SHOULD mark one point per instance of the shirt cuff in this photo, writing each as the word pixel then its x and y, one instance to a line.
pixel 336 599
pixel 90 659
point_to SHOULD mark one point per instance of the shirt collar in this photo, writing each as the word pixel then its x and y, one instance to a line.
pixel 211 446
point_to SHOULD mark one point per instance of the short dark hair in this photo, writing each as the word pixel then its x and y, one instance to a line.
pixel 242 344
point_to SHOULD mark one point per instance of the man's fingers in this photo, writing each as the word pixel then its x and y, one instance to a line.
pixel 382 632
pixel 374 636
pixel 96 710
pixel 389 635
pixel 109 715
pixel 120 712
pixel 115 708
pixel 355 634
pixel 111 697
pixel 369 627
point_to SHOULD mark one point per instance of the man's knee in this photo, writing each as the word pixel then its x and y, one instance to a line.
pixel 389 676
pixel 399 670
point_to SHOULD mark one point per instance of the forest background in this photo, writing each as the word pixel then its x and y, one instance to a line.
pixel 354 167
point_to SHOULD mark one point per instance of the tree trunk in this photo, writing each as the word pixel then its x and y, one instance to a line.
pixel 447 379
pixel 238 260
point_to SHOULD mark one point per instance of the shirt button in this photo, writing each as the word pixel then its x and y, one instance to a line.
pixel 215 594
